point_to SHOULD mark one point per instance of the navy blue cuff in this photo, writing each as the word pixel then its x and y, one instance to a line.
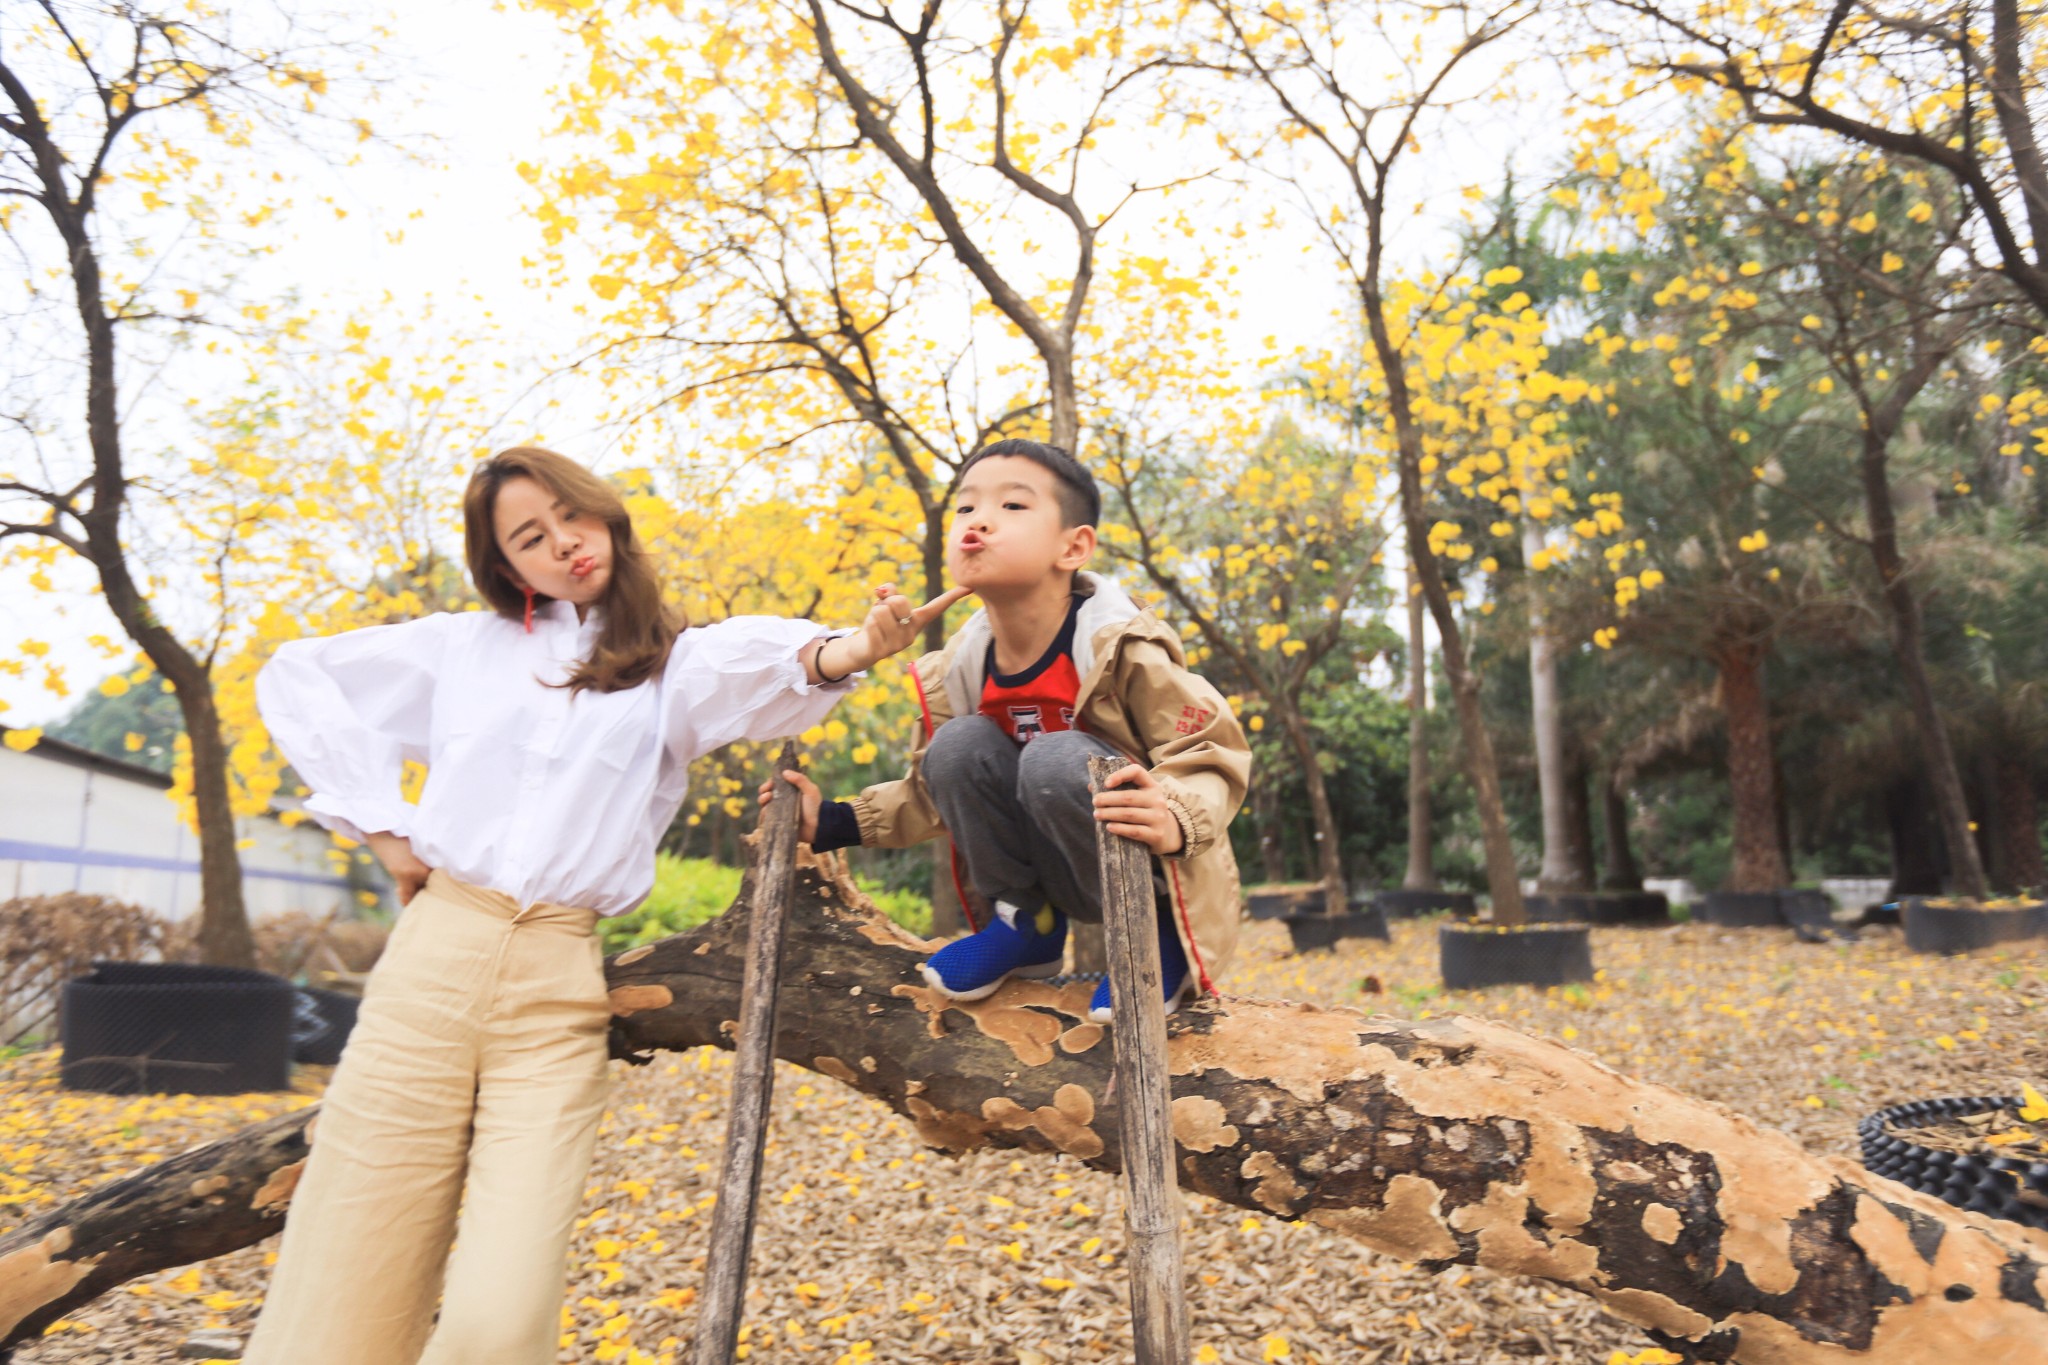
pixel 838 827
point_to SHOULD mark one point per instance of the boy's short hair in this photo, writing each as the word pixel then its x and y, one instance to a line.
pixel 1080 501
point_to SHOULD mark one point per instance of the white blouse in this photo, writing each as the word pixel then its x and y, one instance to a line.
pixel 530 791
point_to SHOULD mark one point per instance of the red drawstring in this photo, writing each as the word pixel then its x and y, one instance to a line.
pixel 529 611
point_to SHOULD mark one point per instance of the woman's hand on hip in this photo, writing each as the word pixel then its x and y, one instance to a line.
pixel 404 865
pixel 812 799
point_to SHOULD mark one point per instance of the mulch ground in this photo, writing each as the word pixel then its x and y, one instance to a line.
pixel 872 1248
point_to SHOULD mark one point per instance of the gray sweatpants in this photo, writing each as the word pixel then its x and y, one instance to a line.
pixel 1021 816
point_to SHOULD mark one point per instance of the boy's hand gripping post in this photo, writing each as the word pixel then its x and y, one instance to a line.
pixel 1159 1315
pixel 753 1078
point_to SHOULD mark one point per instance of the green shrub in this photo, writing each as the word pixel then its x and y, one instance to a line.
pixel 689 891
pixel 908 908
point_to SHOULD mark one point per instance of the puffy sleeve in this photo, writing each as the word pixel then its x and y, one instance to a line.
pixel 347 710
pixel 743 679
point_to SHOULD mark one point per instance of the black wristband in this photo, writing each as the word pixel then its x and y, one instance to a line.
pixel 838 827
pixel 818 662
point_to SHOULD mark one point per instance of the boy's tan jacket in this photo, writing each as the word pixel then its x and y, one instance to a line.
pixel 1136 693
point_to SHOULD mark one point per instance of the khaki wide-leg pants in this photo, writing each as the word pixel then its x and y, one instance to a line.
pixel 479 1051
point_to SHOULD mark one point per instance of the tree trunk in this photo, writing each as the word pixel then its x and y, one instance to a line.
pixel 1266 814
pixel 1784 816
pixel 1503 882
pixel 1456 1141
pixel 1909 648
pixel 1918 864
pixel 1561 862
pixel 1621 873
pixel 2015 824
pixel 1578 809
pixel 224 937
pixel 1759 863
pixel 1329 853
pixel 1421 874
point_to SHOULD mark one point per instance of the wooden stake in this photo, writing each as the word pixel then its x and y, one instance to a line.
pixel 753 1078
pixel 1130 920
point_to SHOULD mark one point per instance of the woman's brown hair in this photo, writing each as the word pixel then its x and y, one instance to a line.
pixel 639 628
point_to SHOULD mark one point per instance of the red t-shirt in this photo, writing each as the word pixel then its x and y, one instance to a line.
pixel 1040 700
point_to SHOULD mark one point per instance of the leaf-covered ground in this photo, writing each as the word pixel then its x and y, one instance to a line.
pixel 874 1249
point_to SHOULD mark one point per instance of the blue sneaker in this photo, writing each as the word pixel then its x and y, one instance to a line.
pixel 1011 944
pixel 1173 975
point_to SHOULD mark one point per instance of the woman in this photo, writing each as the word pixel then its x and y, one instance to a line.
pixel 558 728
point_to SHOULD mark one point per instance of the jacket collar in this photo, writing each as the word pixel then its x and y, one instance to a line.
pixel 1104 603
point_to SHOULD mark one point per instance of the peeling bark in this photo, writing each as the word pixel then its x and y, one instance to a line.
pixel 1451 1141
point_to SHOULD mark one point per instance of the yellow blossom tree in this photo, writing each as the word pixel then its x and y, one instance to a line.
pixel 120 121
pixel 1347 134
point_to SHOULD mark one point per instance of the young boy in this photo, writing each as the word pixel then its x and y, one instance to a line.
pixel 1058 665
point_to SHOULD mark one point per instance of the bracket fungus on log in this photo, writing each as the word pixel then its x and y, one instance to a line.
pixel 1450 1141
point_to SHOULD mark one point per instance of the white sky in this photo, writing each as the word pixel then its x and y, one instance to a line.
pixel 481 75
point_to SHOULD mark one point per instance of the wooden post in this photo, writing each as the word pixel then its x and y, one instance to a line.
pixel 1159 1313
pixel 753 1078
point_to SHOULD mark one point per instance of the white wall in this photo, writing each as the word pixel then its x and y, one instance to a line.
pixel 104 828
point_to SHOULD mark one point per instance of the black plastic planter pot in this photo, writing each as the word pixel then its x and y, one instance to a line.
pixel 1534 955
pixel 321 1023
pixel 1743 909
pixel 1959 928
pixel 1278 904
pixel 1807 908
pixel 1982 1184
pixel 1401 904
pixel 171 1028
pixel 1310 932
pixel 1599 907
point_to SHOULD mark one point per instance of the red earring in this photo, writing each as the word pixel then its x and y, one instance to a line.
pixel 529 610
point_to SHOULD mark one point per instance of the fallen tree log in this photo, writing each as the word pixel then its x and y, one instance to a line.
pixel 1450 1141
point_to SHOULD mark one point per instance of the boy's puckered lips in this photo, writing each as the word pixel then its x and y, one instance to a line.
pixel 970 541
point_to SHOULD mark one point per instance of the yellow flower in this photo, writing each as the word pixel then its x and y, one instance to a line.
pixel 21 741
pixel 1590 282
pixel 1276 1348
